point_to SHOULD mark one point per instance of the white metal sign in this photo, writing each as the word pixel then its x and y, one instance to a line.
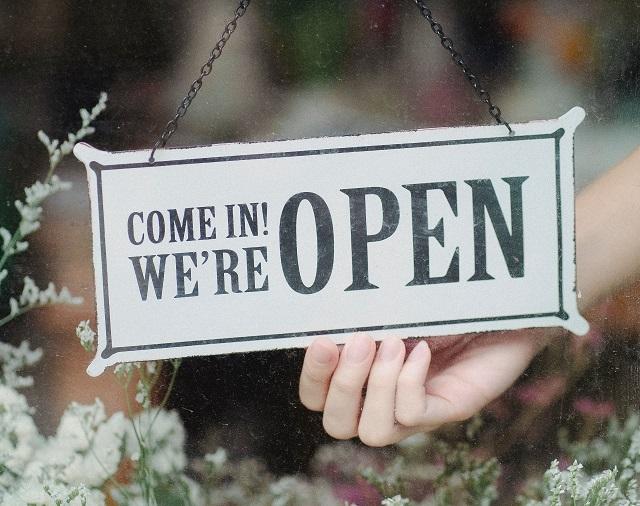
pixel 239 247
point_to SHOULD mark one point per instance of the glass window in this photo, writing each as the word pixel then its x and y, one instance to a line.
pixel 232 429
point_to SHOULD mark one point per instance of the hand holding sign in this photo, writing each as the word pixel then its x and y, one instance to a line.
pixel 463 376
pixel 460 376
pixel 242 247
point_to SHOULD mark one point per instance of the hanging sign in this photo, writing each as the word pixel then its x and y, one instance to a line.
pixel 239 247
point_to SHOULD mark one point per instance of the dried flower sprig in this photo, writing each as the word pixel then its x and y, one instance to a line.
pixel 86 335
pixel 30 209
pixel 13 360
pixel 58 151
pixel 33 297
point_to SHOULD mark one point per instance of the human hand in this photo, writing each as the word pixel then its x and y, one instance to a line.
pixel 450 379
pixel 442 380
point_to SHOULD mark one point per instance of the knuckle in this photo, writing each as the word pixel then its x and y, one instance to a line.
pixel 379 382
pixel 315 376
pixel 345 386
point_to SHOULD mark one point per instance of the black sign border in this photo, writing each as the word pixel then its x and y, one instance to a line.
pixel 110 350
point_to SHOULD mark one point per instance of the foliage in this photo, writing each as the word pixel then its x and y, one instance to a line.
pixel 450 473
pixel 604 471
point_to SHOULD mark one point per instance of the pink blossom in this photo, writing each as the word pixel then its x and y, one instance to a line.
pixel 541 392
pixel 360 493
pixel 591 408
pixel 564 462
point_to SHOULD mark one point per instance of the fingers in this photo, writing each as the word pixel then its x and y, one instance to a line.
pixel 377 425
pixel 400 400
pixel 411 398
pixel 416 396
pixel 397 404
pixel 344 398
pixel 319 363
pixel 395 390
pixel 447 395
pixel 418 410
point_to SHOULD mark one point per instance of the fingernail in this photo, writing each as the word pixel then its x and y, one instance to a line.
pixel 389 349
pixel 419 352
pixel 321 353
pixel 358 349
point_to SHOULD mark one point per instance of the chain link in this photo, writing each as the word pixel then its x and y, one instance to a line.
pixel 205 70
pixel 457 58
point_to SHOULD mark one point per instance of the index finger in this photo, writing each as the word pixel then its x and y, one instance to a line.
pixel 320 361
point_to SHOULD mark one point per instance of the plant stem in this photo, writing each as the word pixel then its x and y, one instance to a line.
pixel 52 167
pixel 14 239
pixel 174 373
pixel 142 471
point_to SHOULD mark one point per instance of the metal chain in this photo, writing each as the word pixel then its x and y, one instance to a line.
pixel 205 70
pixel 231 26
pixel 447 43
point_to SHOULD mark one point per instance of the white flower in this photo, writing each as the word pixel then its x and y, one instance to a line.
pixel 18 435
pixel 13 359
pixel 152 366
pixel 38 192
pixel 26 493
pixel 30 210
pixel 124 370
pixel 57 151
pixel 102 461
pixel 30 221
pixel 33 297
pixel 51 493
pixel 5 235
pixel 216 459
pixel 86 335
pixel 143 395
pixel 291 490
pixel 395 501
pixel 163 436
pixel 87 447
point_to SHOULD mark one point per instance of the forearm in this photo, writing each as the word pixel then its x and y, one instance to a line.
pixel 607 239
pixel 608 232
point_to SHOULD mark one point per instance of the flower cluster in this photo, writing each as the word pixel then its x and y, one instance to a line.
pixel 12 362
pixel 70 467
pixel 30 209
pixel 30 215
pixel 452 473
pixel 33 297
pixel 86 335
pixel 58 151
